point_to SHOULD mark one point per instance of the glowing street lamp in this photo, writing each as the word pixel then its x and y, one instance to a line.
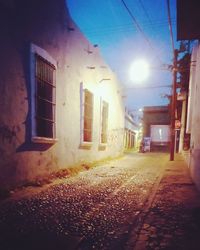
pixel 139 71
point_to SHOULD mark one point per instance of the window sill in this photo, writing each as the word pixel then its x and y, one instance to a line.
pixel 85 145
pixel 102 146
pixel 37 139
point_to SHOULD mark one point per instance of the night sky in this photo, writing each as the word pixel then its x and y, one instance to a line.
pixel 108 24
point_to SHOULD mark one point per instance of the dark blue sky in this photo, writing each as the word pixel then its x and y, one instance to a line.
pixel 108 24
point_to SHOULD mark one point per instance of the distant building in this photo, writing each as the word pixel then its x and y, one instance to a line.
pixel 131 136
pixel 156 126
pixel 59 101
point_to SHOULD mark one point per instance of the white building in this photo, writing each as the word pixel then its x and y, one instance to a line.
pixel 60 104
pixel 193 115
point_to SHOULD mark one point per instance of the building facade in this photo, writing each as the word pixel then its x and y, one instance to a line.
pixel 58 97
pixel 156 126
pixel 188 29
pixel 193 116
pixel 131 133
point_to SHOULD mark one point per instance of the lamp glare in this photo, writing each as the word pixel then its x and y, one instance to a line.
pixel 139 71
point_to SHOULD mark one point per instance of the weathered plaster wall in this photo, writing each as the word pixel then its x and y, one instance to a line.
pixel 48 25
pixel 193 118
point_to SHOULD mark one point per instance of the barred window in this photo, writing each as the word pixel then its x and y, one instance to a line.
pixel 88 116
pixel 45 98
pixel 104 122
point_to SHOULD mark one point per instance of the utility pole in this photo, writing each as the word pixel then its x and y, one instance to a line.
pixel 173 106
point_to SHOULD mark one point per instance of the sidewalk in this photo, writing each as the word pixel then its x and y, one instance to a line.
pixel 173 220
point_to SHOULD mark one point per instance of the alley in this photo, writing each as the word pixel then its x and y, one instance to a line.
pixel 117 205
pixel 84 86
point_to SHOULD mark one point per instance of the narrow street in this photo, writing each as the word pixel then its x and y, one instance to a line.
pixel 141 201
pixel 84 86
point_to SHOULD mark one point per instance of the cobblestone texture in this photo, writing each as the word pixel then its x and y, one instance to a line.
pixel 103 208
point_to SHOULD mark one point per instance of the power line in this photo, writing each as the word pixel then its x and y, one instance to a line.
pixel 149 87
pixel 170 26
pixel 139 28
pixel 146 12
pixel 144 23
pixel 124 27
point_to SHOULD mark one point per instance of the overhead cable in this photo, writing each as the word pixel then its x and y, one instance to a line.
pixel 170 26
pixel 126 26
pixel 139 28
pixel 146 12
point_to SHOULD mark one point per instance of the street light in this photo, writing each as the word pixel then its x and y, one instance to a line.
pixel 139 71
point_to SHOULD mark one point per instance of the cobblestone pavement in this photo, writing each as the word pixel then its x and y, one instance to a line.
pixel 119 205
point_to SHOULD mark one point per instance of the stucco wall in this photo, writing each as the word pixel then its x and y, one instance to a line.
pixel 193 117
pixel 47 24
